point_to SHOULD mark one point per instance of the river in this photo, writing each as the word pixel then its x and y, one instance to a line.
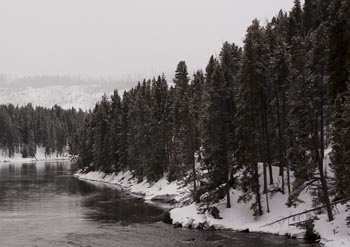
pixel 42 205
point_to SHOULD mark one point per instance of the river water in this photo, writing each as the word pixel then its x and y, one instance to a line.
pixel 42 205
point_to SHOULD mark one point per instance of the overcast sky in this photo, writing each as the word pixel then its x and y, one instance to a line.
pixel 115 38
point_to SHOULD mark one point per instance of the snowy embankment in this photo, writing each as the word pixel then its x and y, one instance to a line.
pixel 239 217
pixel 162 190
pixel 39 156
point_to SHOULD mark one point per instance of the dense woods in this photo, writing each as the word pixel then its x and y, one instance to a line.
pixel 23 129
pixel 278 101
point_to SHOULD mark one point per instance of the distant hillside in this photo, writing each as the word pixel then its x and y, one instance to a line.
pixel 64 91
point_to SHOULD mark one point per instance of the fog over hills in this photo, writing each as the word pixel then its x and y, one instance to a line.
pixel 65 91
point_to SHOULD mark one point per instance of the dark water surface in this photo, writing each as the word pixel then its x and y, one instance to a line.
pixel 42 205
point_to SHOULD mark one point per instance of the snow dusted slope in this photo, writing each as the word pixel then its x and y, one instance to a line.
pixel 77 96
pixel 64 91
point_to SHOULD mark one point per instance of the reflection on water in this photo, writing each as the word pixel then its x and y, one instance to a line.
pixel 41 204
pixel 30 183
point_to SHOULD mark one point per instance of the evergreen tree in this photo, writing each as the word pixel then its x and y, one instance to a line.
pixel 115 131
pixel 159 159
pixel 339 40
pixel 339 78
pixel 214 132
pixel 295 26
pixel 182 124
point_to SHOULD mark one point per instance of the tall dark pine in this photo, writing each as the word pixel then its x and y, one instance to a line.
pixel 339 40
pixel 278 76
pixel 339 72
pixel 252 115
pixel 158 135
pixel 196 92
pixel 183 128
pixel 300 113
pixel 101 131
pixel 317 72
pixel 295 26
pixel 139 132
pixel 215 122
pixel 116 131
pixel 230 61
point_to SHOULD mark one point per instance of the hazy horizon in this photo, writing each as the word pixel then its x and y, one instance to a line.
pixel 118 39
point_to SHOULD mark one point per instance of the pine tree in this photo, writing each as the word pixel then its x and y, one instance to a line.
pixel 279 66
pixel 230 61
pixel 158 131
pixel 101 130
pixel 115 131
pixel 214 131
pixel 339 38
pixel 295 26
pixel 196 111
pixel 184 148
pixel 341 145
pixel 123 137
pixel 299 115
pixel 252 115
pixel 339 72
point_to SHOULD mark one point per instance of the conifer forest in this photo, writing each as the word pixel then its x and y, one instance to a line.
pixel 280 100
pixel 23 129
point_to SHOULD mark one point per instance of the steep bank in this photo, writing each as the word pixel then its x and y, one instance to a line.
pixel 239 217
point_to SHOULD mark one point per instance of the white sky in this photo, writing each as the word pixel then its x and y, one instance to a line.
pixel 115 38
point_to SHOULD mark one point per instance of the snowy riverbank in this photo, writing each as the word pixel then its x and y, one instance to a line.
pixel 39 156
pixel 160 191
pixel 239 217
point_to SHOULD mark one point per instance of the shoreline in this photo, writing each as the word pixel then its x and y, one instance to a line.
pixel 238 218
pixel 34 160
pixel 164 201
pixel 50 158
pixel 39 156
pixel 171 206
pixel 111 179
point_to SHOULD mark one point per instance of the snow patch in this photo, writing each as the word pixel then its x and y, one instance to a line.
pixel 162 190
pixel 39 156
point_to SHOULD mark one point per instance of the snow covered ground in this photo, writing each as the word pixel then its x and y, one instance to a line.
pixel 40 156
pixel 159 191
pixel 239 217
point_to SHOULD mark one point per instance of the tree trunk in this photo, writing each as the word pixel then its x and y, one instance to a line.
pixel 267 138
pixel 266 190
pixel 194 179
pixel 280 151
pixel 283 123
pixel 321 159
pixel 263 155
pixel 190 154
pixel 267 203
pixel 322 118
pixel 321 171
pixel 265 179
pixel 257 189
pixel 288 180
pixel 228 197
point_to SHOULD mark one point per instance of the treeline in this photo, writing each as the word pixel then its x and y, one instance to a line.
pixel 281 100
pixel 23 129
